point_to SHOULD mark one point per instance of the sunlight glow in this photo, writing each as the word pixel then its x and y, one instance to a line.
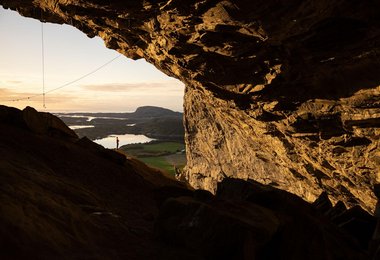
pixel 121 86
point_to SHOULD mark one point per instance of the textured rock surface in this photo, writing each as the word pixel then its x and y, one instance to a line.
pixel 37 122
pixel 65 198
pixel 283 92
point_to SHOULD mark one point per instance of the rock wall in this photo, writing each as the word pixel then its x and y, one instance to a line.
pixel 283 92
pixel 62 197
pixel 299 153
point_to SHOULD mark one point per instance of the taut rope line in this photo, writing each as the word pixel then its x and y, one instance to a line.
pixel 66 84
pixel 43 64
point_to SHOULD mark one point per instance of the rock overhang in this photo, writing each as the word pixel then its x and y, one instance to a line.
pixel 285 93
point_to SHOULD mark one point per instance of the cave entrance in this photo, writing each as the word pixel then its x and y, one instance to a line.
pixel 97 94
pixel 122 85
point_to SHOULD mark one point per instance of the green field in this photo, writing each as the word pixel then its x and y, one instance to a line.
pixel 159 162
pixel 154 147
pixel 161 155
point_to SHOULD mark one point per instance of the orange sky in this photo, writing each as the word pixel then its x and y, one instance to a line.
pixel 123 85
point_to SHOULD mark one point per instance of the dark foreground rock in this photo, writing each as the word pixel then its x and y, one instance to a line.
pixel 247 220
pixel 64 198
pixel 286 93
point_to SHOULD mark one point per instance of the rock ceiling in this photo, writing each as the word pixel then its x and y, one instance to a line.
pixel 283 92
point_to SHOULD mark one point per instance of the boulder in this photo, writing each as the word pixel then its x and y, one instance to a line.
pixel 46 123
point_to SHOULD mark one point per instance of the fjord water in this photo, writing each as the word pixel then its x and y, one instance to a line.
pixel 110 141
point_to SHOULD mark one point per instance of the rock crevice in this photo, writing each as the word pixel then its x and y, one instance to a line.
pixel 283 92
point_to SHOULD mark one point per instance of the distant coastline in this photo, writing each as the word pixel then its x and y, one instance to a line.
pixel 153 122
pixel 153 135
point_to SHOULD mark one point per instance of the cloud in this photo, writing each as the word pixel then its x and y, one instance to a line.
pixel 13 82
pixel 7 94
pixel 129 87
pixel 3 91
pixel 98 98
pixel 13 98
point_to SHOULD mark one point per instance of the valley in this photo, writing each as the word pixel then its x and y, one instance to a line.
pixel 153 135
pixel 281 124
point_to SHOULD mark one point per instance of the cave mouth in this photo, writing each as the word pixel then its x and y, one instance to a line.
pixel 97 92
pixel 80 73
pixel 268 100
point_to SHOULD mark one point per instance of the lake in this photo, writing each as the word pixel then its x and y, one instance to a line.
pixel 90 118
pixel 74 127
pixel 110 141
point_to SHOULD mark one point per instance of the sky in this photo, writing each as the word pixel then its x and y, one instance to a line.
pixel 121 86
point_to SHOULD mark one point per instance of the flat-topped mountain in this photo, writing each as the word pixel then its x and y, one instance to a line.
pixel 141 112
pixel 154 122
pixel 151 111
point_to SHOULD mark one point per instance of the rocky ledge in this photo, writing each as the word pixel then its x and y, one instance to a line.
pixel 62 197
pixel 283 92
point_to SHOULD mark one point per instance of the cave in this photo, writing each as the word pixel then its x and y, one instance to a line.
pixel 91 70
pixel 282 98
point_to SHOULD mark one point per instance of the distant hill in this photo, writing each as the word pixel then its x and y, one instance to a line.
pixel 163 128
pixel 150 111
pixel 154 122
pixel 144 111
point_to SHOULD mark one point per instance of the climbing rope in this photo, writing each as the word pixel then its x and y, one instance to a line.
pixel 66 84
pixel 43 94
pixel 43 64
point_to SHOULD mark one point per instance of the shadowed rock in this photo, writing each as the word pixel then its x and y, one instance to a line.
pixel 63 199
pixel 247 220
pixel 283 93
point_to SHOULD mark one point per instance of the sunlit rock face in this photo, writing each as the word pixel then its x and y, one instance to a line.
pixel 283 92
